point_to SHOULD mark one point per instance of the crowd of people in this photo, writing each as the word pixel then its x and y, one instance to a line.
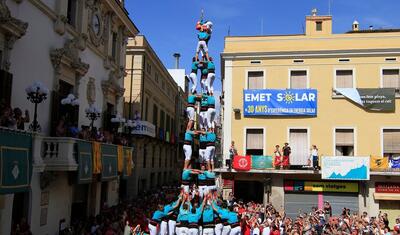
pixel 13 118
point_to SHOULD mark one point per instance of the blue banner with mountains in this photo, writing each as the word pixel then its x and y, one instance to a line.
pixel 345 168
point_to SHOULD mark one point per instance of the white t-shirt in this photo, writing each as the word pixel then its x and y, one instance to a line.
pixel 314 152
pixel 266 231
pixel 256 231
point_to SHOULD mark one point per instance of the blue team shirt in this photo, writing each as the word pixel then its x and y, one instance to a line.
pixel 211 100
pixel 204 101
pixel 195 65
pixel 232 217
pixel 189 136
pixel 223 213
pixel 183 214
pixel 203 138
pixel 158 215
pixel 211 136
pixel 208 214
pixel 203 35
pixel 194 218
pixel 168 208
pixel 210 65
pixel 191 99
pixel 202 176
pixel 186 174
pixel 209 174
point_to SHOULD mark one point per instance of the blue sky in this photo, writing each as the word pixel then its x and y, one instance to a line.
pixel 169 24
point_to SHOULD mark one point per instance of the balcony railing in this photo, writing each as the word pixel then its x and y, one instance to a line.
pixel 59 153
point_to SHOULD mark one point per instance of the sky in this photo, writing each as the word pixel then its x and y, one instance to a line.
pixel 169 25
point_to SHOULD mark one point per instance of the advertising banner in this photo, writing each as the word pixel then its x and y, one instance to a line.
pixel 144 128
pixel 345 168
pixel 395 162
pixel 285 102
pixel 373 99
pixel 379 163
pixel 315 186
pixel 385 187
pixel 261 162
pixel 242 163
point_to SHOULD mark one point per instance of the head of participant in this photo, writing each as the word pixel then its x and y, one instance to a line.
pixel 203 167
pixel 210 58
pixel 185 206
pixel 160 207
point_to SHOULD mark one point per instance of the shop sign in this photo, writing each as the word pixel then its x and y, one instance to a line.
pixel 345 168
pixel 381 187
pixel 228 183
pixel 284 102
pixel 372 99
pixel 318 186
pixel 144 128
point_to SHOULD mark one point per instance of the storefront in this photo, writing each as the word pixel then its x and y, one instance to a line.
pixel 388 195
pixel 302 195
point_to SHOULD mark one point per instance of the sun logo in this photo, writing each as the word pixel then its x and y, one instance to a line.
pixel 289 97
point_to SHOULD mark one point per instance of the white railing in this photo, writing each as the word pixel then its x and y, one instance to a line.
pixel 58 153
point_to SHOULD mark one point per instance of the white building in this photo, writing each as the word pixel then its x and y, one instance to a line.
pixel 71 46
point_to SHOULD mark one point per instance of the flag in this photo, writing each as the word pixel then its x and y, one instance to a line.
pixel 395 162
pixel 261 162
pixel 379 163
pixel 242 163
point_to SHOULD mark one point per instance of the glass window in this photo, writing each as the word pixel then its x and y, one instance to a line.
pixel 255 80
pixel 344 79
pixel 318 25
pixel 344 139
pixel 254 142
pixel 298 79
pixel 390 78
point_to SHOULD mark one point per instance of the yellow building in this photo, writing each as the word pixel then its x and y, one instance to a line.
pixel 327 62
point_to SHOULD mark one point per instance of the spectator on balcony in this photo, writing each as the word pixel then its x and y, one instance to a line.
pixel 232 153
pixel 61 130
pixel 314 157
pixel 278 157
pixel 84 133
pixel 73 130
pixel 286 155
pixel 6 118
pixel 20 120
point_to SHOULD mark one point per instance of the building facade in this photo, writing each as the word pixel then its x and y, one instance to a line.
pixel 328 63
pixel 71 47
pixel 152 98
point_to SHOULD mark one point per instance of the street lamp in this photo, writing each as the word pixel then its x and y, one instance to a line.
pixel 92 113
pixel 36 93
pixel 118 119
pixel 70 100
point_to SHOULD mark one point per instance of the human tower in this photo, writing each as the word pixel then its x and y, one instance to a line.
pixel 197 209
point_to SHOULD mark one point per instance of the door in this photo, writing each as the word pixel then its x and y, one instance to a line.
pixel 249 191
pixel 20 209
pixel 79 202
pixel 298 142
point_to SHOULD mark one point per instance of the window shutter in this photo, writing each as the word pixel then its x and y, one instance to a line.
pixel 254 139
pixel 5 87
pixel 55 114
pixel 299 146
pixel 255 80
pixel 390 78
pixel 344 137
pixel 344 79
pixel 391 141
pixel 298 79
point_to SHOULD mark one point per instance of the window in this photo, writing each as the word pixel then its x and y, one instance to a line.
pixel 255 62
pixel 146 110
pixel 254 142
pixel 162 119
pixel 168 128
pixel 344 141
pixel 298 61
pixel 6 80
pixel 318 25
pixel 391 142
pixel 298 79
pixel 160 157
pixel 344 79
pixel 298 142
pixel 152 180
pixel 163 85
pixel 344 60
pixel 114 46
pixel 166 158
pixel 390 78
pixel 148 69
pixel 156 77
pixel 255 80
pixel 155 115
pixel 71 12
pixel 144 156
pixel 390 59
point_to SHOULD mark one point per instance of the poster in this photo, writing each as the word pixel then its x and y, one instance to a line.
pixel 372 99
pixel 286 102
pixel 345 168
pixel 261 162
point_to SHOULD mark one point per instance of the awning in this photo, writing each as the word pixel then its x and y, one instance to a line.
pixel 109 162
pixel 387 196
pixel 85 169
pixel 15 161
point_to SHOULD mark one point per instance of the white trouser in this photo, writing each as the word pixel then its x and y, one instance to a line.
pixel 204 86
pixel 208 231
pixel 202 45
pixel 190 113
pixel 203 119
pixel 171 227
pixel 193 79
pixel 193 231
pixel 211 117
pixel 153 229
pixel 210 153
pixel 235 231
pixel 211 188
pixel 182 230
pixel 203 190
pixel 226 230
pixel 203 155
pixel 218 229
pixel 163 228
pixel 210 82
pixel 187 150
pixel 185 188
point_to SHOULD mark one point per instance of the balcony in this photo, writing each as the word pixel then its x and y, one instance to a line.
pixel 59 153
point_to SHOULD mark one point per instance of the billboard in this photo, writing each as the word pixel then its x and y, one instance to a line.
pixel 284 102
pixel 144 128
pixel 372 99
pixel 320 186
pixel 345 168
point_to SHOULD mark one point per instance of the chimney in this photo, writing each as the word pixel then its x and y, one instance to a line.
pixel 177 56
pixel 355 26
